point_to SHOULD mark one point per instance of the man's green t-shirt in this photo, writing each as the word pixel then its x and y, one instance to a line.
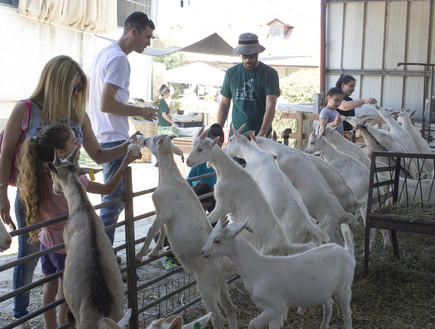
pixel 248 89
pixel 163 108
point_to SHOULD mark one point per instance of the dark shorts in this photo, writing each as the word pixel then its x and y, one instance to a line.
pixel 52 263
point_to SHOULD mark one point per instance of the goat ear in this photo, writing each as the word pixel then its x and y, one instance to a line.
pixel 413 112
pixel 178 151
pixel 238 227
pixel 177 323
pixel 252 135
pixel 202 321
pixel 249 133
pixel 124 321
pixel 215 141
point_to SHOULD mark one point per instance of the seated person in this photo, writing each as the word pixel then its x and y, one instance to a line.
pixel 201 169
pixel 202 188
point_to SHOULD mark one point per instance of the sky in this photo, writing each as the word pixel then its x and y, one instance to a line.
pixel 230 18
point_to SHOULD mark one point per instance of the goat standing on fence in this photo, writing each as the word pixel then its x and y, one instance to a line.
pixel 179 213
pixel 321 202
pixel 236 192
pixel 92 281
pixel 284 199
pixel 276 283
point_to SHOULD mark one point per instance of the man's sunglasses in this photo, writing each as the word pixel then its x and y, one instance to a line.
pixel 250 56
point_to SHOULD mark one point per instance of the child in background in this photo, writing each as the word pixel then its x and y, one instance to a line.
pixel 35 184
pixel 202 188
pixel 201 169
pixel 330 113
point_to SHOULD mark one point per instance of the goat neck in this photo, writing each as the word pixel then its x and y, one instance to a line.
pixel 75 193
pixel 220 160
pixel 168 169
pixel 328 151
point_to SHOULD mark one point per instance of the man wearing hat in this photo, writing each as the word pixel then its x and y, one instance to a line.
pixel 253 87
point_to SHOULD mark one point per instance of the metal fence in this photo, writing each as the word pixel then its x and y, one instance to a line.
pixel 157 293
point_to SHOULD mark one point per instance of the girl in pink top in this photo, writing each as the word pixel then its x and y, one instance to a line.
pixel 35 184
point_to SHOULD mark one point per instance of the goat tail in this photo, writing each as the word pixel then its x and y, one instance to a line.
pixel 348 239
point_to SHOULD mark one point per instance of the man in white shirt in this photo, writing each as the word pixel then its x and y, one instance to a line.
pixel 108 100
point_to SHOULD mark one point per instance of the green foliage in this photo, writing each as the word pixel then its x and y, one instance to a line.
pixel 171 61
pixel 300 87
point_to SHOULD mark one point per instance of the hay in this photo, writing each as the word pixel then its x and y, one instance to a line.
pixel 414 209
pixel 396 294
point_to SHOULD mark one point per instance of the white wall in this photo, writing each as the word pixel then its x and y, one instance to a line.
pixel 27 44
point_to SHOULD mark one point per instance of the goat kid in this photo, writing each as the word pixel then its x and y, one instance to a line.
pixel 179 213
pixel 276 283
pixel 284 199
pixel 176 322
pixel 92 281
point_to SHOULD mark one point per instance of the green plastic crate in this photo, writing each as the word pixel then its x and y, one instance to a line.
pixel 169 131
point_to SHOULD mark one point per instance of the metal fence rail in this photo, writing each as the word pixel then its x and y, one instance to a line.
pixel 159 296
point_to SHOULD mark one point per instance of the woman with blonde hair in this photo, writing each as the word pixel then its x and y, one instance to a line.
pixel 59 97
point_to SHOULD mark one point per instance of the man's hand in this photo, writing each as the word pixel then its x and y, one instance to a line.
pixel 149 113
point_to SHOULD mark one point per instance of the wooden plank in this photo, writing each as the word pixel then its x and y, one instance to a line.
pixel 295 116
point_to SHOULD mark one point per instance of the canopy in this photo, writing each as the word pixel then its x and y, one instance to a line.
pixel 196 73
pixel 212 45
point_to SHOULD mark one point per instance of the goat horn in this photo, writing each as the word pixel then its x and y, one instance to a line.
pixel 241 128
pixel 57 158
pixel 71 157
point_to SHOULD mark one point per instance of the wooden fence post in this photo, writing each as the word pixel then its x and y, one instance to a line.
pixel 130 250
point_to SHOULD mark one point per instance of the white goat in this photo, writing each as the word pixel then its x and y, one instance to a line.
pixel 179 212
pixel 346 146
pixel 5 238
pixel 284 199
pixel 354 172
pixel 317 196
pixel 392 142
pixel 92 281
pixel 237 193
pixel 338 185
pixel 176 322
pixel 421 144
pixel 276 283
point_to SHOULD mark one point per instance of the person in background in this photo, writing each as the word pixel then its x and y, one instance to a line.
pixel 108 101
pixel 202 169
pixel 208 203
pixel 164 114
pixel 42 204
pixel 252 86
pixel 59 96
pixel 347 107
pixel 329 113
